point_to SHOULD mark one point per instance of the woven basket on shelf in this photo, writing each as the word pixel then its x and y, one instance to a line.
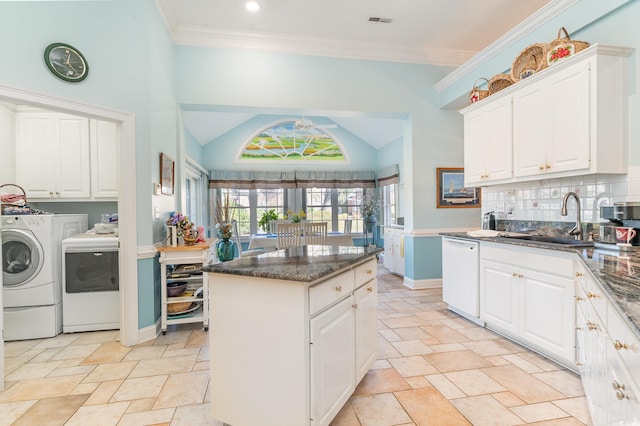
pixel 530 61
pixel 173 308
pixel 499 82
pixel 478 94
pixel 562 48
pixel 12 202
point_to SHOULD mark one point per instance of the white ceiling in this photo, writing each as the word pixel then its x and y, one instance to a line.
pixel 440 32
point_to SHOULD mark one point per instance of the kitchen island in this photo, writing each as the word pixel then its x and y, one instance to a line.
pixel 292 332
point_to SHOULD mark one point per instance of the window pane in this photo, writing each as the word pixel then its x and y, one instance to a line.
pixel 348 208
pixel 268 199
pixel 239 208
pixel 318 203
pixel 389 203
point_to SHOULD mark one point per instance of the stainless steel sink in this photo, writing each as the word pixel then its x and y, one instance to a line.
pixel 567 242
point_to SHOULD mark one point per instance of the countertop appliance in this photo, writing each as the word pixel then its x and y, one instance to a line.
pixel 489 221
pixel 620 214
pixel 460 277
pixel 90 276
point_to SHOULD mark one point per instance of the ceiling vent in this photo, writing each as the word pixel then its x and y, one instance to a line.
pixel 380 20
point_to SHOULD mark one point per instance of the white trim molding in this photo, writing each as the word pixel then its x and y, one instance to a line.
pixel 422 284
pixel 149 333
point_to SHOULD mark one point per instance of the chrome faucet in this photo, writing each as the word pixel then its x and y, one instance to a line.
pixel 577 230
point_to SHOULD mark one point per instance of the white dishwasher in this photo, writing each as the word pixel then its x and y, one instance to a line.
pixel 461 277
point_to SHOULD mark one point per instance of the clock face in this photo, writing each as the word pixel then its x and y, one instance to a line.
pixel 66 62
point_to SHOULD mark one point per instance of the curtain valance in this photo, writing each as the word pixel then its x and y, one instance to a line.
pixel 388 175
pixel 292 179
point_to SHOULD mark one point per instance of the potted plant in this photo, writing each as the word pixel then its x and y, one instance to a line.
pixel 267 217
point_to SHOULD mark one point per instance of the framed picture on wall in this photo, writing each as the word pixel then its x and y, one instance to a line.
pixel 451 191
pixel 167 174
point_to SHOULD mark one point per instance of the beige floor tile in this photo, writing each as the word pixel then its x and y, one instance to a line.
pixel 497 360
pixel 386 350
pixel 60 341
pixel 197 339
pixel 380 364
pixel 97 337
pixel 103 393
pixel 84 388
pixel 402 306
pixel 145 352
pixel 456 361
pixel 140 405
pixel 33 370
pixel 98 415
pixel 410 366
pixel 76 351
pixel 379 410
pixel 12 363
pixel 445 334
pixel 404 321
pixel 445 386
pixel 428 407
pixel 46 354
pixel 390 335
pixel 147 417
pixel 152 367
pixel 492 347
pixel 474 382
pixel 51 411
pixel 112 371
pixel 411 347
pixel 477 333
pixel 577 407
pixel 508 399
pixel 525 386
pixel 434 315
pixel 194 415
pixel 567 421
pixel 564 381
pixel 540 361
pixel 11 411
pixel 447 347
pixel 201 365
pixel 72 371
pixel 18 347
pixel 204 354
pixel 418 382
pixel 107 352
pixel 381 381
pixel 486 411
pixel 183 389
pixel 539 412
pixel 26 390
pixel 181 352
pixel 411 333
pixel 522 363
pixel 138 388
pixel 346 417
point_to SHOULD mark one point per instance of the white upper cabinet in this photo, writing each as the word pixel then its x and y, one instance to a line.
pixel 566 120
pixel 52 153
pixel 104 159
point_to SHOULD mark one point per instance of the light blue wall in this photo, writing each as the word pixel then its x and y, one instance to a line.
pixel 222 153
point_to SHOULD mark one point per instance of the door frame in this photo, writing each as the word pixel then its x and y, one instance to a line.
pixel 127 256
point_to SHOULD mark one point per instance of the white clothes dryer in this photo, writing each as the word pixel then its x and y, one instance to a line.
pixel 31 272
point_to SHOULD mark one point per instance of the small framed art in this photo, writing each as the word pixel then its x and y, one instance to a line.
pixel 451 191
pixel 167 174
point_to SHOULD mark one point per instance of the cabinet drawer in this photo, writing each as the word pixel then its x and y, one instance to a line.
pixel 536 259
pixel 595 295
pixel 326 293
pixel 624 342
pixel 365 272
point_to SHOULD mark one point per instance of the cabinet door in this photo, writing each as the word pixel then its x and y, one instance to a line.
pixel 389 257
pixel 568 112
pixel 104 159
pixel 530 130
pixel 366 327
pixel 332 360
pixel 72 157
pixel 499 298
pixel 548 313
pixel 35 146
pixel 488 143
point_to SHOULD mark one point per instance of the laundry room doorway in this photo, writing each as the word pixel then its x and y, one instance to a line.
pixel 126 201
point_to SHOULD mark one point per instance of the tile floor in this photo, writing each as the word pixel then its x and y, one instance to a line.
pixel 433 368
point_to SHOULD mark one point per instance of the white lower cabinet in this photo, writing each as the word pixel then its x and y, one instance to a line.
pixel 529 296
pixel 394 250
pixel 607 356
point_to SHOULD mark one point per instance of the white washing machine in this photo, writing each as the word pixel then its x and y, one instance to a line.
pixel 91 291
pixel 31 272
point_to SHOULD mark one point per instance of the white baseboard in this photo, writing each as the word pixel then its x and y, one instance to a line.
pixel 149 333
pixel 422 284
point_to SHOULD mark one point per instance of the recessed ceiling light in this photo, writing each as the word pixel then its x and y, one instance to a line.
pixel 252 6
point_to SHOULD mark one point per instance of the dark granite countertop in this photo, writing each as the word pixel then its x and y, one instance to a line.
pixel 617 272
pixel 306 263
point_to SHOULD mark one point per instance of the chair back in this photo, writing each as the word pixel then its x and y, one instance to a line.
pixel 315 233
pixel 288 234
pixel 236 238
pixel 273 225
pixel 347 226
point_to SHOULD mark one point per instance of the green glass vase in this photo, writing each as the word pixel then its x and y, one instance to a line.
pixel 225 250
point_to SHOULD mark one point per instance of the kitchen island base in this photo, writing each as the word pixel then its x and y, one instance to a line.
pixel 290 352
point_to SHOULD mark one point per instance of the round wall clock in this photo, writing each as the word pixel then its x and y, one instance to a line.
pixel 66 62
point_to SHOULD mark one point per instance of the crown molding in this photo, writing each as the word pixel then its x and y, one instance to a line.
pixel 527 26
pixel 318 47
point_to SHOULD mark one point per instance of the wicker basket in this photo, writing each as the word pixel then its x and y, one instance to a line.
pixel 476 94
pixel 174 308
pixel 564 47
pixel 11 202
pixel 530 61
pixel 499 82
